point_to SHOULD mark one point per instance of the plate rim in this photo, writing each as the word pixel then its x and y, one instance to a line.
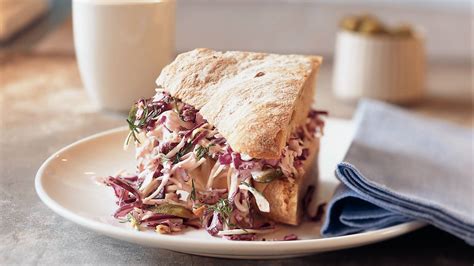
pixel 303 246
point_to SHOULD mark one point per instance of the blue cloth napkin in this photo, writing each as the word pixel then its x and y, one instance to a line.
pixel 403 167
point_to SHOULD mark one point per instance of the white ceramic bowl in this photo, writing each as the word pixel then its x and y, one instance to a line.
pixel 381 67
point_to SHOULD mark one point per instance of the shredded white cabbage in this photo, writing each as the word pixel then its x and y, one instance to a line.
pixel 262 202
pixel 244 231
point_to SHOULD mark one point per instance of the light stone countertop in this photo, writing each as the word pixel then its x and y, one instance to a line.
pixel 44 107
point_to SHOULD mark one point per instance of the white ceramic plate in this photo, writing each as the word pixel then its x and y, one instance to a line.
pixel 66 183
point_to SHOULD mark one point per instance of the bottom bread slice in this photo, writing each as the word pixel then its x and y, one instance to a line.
pixel 285 196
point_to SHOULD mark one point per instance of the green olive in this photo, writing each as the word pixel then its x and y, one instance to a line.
pixel 402 31
pixel 172 209
pixel 266 176
pixel 371 26
pixel 350 23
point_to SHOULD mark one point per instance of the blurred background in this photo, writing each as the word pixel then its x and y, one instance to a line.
pixel 282 26
pixel 37 49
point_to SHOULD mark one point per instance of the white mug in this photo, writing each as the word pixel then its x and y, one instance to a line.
pixel 121 47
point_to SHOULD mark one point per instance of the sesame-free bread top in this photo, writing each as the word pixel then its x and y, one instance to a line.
pixel 255 100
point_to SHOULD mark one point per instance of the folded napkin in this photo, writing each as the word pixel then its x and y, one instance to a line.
pixel 402 167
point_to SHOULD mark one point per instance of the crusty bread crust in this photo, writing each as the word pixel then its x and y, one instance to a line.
pixel 255 100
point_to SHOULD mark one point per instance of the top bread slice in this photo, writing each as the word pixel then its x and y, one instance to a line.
pixel 255 100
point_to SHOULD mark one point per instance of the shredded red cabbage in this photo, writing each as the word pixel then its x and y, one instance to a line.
pixel 244 237
pixel 319 213
pixel 123 210
pixel 290 237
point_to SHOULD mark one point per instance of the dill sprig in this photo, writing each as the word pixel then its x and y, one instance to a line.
pixel 224 208
pixel 187 147
pixel 201 152
pixel 150 112
pixel 193 190
pixel 132 125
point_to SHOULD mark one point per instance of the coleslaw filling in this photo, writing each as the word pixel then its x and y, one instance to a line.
pixel 175 147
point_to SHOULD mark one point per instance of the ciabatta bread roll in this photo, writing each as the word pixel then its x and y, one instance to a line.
pixel 229 137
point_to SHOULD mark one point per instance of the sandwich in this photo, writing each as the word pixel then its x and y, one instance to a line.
pixel 226 144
